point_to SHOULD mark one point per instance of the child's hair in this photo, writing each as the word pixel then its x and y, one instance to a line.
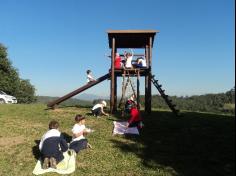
pixel 88 71
pixel 53 124
pixel 139 58
pixel 79 117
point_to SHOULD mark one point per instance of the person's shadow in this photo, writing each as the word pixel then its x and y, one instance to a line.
pixel 35 149
pixel 67 137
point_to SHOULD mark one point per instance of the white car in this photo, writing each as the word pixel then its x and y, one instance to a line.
pixel 8 99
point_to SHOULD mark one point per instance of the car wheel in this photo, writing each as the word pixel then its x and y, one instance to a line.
pixel 2 101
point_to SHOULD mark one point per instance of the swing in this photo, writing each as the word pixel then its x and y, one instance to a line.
pixel 122 105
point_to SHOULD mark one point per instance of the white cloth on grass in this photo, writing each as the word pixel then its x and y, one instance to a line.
pixel 120 128
pixel 66 166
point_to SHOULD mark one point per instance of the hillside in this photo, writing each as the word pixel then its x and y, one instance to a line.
pixel 216 103
pixel 69 102
pixel 195 144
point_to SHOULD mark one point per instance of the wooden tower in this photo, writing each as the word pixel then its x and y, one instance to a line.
pixel 136 39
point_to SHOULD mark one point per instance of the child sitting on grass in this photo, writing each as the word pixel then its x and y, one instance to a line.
pixel 79 142
pixel 52 146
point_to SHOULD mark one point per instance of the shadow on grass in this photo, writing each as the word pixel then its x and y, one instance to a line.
pixel 67 137
pixel 35 150
pixel 195 144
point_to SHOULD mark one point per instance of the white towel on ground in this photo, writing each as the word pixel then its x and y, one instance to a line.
pixel 66 166
pixel 120 128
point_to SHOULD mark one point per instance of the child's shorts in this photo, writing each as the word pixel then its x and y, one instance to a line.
pixel 79 145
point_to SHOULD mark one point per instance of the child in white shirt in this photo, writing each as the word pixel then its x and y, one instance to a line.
pixel 97 109
pixel 129 58
pixel 79 142
pixel 89 76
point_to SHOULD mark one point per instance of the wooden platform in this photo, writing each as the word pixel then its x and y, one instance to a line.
pixel 132 72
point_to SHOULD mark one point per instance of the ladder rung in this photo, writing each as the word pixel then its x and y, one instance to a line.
pixel 166 96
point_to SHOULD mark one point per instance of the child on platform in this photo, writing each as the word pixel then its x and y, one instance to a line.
pixel 129 58
pixel 89 76
pixel 118 62
pixel 79 142
pixel 52 146
pixel 141 63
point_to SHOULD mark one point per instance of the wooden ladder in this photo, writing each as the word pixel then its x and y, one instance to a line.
pixel 165 97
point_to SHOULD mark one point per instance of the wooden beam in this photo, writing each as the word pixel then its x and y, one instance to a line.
pixel 147 55
pixel 136 55
pixel 115 94
pixel 150 52
pixel 112 96
pixel 138 93
pixel 132 31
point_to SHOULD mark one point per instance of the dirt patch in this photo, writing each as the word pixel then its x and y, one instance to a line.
pixel 11 141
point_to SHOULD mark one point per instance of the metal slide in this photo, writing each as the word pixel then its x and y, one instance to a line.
pixel 77 91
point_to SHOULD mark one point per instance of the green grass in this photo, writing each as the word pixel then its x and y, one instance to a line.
pixel 196 144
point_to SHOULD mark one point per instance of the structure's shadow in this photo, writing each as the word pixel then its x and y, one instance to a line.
pixel 195 144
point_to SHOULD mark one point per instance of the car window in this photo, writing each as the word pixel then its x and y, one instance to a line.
pixel 3 93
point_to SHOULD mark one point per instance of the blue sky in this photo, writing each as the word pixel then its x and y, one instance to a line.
pixel 54 42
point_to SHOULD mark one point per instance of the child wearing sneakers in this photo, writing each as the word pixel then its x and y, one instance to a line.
pixel 52 146
pixel 79 142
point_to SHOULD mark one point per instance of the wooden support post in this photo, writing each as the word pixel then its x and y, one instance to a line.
pixel 149 80
pixel 148 98
pixel 150 53
pixel 146 81
pixel 115 94
pixel 147 55
pixel 112 95
pixel 138 93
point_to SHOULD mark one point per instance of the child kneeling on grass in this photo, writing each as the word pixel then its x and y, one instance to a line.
pixel 52 146
pixel 135 119
pixel 79 142
pixel 97 109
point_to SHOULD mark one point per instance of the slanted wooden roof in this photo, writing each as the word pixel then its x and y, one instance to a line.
pixel 131 38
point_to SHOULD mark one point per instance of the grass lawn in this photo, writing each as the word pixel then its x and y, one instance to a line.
pixel 196 144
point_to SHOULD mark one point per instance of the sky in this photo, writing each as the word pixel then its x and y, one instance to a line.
pixel 53 42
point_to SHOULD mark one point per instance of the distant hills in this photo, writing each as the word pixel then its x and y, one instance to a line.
pixel 90 97
pixel 69 102
pixel 220 102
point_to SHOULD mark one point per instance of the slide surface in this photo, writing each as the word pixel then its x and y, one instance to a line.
pixel 79 90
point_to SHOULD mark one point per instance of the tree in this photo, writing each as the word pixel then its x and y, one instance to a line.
pixel 11 83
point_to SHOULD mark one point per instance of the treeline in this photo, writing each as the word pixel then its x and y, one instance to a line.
pixel 219 103
pixel 11 83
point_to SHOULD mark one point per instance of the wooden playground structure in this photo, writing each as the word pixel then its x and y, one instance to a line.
pixel 123 39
